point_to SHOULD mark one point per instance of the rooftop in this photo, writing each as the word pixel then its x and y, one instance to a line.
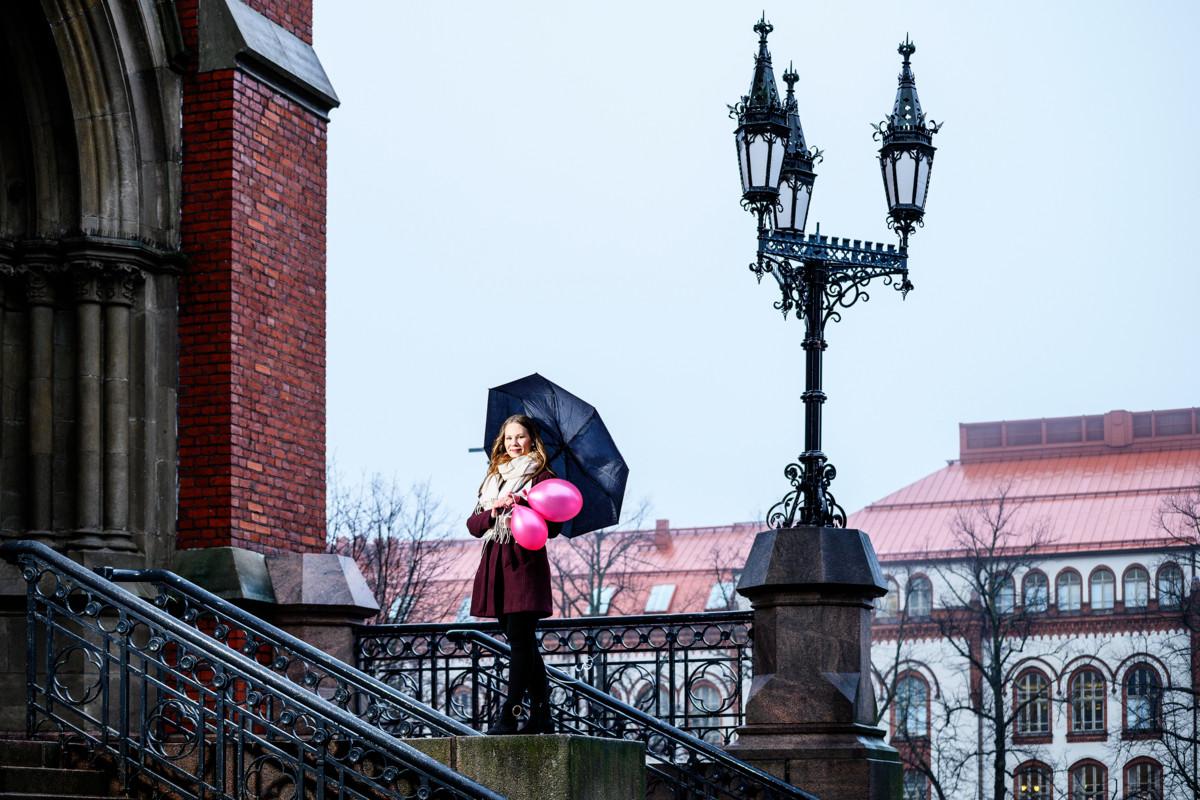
pixel 1096 482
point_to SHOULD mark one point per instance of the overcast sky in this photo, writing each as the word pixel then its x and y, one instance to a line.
pixel 553 187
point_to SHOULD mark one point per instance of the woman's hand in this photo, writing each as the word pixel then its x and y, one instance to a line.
pixel 503 503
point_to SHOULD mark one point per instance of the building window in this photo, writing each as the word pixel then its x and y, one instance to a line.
pixel 1087 702
pixel 1143 780
pixel 1170 586
pixel 912 708
pixel 1089 781
pixel 889 604
pixel 705 705
pixel 602 599
pixel 464 610
pixel 1102 590
pixel 916 785
pixel 721 597
pixel 1136 588
pixel 1006 596
pixel 1034 782
pixel 660 597
pixel 1033 705
pixel 920 597
pixel 1070 591
pixel 1036 592
pixel 1143 699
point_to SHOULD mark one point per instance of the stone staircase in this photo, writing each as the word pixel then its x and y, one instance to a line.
pixel 32 770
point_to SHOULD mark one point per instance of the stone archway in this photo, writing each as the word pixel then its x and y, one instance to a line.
pixel 90 157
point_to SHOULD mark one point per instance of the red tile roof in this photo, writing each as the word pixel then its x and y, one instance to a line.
pixel 1098 501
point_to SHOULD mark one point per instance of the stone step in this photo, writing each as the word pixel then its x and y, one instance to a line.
pixel 28 753
pixel 62 782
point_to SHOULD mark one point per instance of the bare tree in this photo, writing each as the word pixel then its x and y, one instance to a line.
pixel 1175 706
pixel 590 572
pixel 399 539
pixel 983 629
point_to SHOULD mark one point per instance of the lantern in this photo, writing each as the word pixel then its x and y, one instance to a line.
pixel 906 157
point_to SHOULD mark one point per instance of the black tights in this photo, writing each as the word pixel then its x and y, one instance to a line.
pixel 526 672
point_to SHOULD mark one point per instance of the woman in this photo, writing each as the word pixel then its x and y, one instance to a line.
pixel 512 584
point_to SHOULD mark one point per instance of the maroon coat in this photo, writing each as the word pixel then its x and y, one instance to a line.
pixel 510 579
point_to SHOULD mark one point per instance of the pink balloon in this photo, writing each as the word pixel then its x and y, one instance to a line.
pixel 528 528
pixel 555 499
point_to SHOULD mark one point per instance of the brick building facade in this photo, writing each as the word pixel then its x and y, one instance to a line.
pixel 162 298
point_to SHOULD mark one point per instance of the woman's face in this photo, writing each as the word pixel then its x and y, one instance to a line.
pixel 516 440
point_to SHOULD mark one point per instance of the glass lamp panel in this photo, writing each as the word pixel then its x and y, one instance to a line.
pixel 906 175
pixel 803 195
pixel 923 167
pixel 744 161
pixel 785 212
pixel 760 149
pixel 889 179
pixel 775 163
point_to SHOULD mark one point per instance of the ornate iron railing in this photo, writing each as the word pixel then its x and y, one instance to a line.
pixel 349 688
pixel 692 671
pixel 182 714
pixel 679 765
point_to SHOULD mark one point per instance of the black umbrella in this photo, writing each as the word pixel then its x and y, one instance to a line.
pixel 580 448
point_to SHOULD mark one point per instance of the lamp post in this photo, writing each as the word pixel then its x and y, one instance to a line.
pixel 810 711
pixel 821 276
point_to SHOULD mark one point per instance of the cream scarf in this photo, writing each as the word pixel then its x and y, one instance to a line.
pixel 511 478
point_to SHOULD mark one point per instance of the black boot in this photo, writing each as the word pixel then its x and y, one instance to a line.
pixel 506 725
pixel 539 720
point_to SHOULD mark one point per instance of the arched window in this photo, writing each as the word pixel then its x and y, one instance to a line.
pixel 1034 782
pixel 1087 701
pixel 889 604
pixel 1170 586
pixel 1036 592
pixel 1143 699
pixel 1089 781
pixel 1070 591
pixel 912 707
pixel 916 785
pixel 1143 780
pixel 1033 704
pixel 1102 590
pixel 1006 596
pixel 920 597
pixel 1136 588
pixel 705 721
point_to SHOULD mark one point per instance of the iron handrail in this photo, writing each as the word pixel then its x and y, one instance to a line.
pixel 554 623
pixel 670 733
pixel 26 550
pixel 368 684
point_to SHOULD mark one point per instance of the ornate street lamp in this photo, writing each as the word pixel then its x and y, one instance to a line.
pixel 820 276
pixel 796 177
pixel 762 133
pixel 906 157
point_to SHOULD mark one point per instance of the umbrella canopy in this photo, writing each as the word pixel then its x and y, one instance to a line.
pixel 580 448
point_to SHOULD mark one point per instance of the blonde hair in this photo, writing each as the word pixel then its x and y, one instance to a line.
pixel 500 456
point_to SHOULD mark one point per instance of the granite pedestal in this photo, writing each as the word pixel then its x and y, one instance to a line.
pixel 810 712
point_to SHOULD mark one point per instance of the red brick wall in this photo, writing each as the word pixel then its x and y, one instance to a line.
pixel 252 313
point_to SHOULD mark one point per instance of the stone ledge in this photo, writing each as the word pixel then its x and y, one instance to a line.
pixel 547 767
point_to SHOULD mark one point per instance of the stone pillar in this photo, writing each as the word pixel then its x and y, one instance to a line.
pixel 88 517
pixel 39 293
pixel 118 297
pixel 810 713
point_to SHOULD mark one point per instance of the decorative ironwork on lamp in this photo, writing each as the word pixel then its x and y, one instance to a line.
pixel 821 276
